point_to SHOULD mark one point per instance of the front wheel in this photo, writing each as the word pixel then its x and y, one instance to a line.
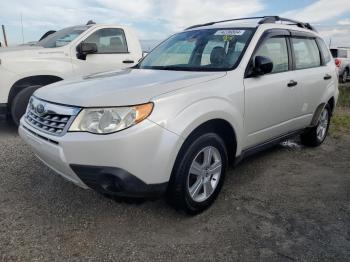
pixel 20 103
pixel 316 135
pixel 198 174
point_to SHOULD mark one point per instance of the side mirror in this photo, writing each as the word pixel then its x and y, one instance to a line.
pixel 262 65
pixel 83 49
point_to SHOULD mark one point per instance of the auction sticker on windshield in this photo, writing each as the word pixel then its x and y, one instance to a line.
pixel 230 32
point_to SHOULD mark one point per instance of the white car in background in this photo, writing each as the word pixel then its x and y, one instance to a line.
pixel 341 57
pixel 202 100
pixel 70 52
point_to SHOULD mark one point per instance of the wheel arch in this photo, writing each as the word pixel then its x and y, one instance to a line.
pixel 318 111
pixel 21 84
pixel 331 103
pixel 221 127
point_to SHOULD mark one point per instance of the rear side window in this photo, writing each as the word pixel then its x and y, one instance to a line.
pixel 109 41
pixel 324 51
pixel 306 53
pixel 276 49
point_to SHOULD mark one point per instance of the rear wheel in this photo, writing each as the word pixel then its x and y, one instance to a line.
pixel 198 174
pixel 20 102
pixel 316 135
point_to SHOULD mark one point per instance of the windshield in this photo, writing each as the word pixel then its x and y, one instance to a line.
pixel 62 37
pixel 200 50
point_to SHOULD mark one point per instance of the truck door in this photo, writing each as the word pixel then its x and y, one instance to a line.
pixel 112 53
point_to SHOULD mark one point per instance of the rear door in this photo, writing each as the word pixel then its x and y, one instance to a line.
pixel 112 52
pixel 271 100
pixel 311 73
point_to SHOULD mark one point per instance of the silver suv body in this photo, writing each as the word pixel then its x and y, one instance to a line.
pixel 203 99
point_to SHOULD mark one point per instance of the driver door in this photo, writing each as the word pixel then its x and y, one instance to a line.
pixel 112 53
pixel 271 100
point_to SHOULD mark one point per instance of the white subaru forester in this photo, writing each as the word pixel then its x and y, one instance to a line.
pixel 201 100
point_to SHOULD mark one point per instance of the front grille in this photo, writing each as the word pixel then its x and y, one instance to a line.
pixel 53 123
pixel 48 117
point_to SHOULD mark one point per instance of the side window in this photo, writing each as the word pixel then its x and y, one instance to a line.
pixel 324 51
pixel 306 53
pixel 276 49
pixel 109 41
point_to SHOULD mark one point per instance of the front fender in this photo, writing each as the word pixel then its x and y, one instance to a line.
pixel 187 118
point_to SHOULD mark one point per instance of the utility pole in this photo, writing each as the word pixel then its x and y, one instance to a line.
pixel 22 29
pixel 4 33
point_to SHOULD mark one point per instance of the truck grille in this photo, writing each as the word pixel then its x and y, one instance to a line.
pixel 50 118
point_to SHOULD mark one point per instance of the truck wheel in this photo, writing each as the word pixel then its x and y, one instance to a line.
pixel 198 174
pixel 316 135
pixel 345 76
pixel 20 102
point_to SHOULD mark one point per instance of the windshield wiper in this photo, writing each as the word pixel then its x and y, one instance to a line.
pixel 184 68
pixel 173 68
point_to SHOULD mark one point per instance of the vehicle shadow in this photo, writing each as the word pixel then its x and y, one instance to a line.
pixel 7 127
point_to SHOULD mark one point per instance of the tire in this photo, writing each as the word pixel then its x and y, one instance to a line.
pixel 20 102
pixel 344 78
pixel 206 185
pixel 315 136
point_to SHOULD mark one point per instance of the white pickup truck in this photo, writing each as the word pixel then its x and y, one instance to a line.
pixel 73 51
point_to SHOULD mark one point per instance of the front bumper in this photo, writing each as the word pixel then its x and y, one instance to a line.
pixel 134 162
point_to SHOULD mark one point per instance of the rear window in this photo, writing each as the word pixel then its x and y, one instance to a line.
pixel 334 53
pixel 339 53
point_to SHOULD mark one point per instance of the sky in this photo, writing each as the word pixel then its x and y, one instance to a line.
pixel 157 19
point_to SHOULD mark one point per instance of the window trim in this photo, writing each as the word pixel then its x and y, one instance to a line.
pixel 109 53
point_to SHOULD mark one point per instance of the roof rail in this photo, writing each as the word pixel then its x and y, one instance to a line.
pixel 224 21
pixel 274 19
pixel 264 20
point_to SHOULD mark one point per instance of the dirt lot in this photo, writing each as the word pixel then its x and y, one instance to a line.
pixel 289 203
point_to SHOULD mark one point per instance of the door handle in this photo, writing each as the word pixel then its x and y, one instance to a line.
pixel 327 77
pixel 292 83
pixel 128 61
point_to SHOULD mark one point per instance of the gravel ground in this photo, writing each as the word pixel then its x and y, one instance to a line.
pixel 289 203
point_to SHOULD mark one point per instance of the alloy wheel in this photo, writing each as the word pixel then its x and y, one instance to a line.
pixel 322 127
pixel 204 174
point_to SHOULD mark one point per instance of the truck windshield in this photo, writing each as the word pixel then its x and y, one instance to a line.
pixel 200 50
pixel 62 37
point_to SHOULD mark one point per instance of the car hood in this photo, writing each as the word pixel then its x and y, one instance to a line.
pixel 18 53
pixel 122 87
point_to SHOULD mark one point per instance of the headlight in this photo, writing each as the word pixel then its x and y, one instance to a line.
pixel 110 120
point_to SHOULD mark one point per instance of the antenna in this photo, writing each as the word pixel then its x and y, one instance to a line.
pixel 4 33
